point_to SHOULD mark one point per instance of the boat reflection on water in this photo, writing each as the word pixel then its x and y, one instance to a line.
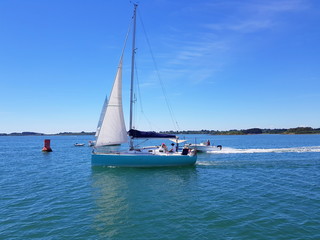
pixel 128 199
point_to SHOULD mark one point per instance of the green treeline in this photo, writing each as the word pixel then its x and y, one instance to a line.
pixel 298 130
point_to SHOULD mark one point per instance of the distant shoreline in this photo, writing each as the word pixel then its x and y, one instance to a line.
pixel 250 131
pixel 47 134
pixel 298 130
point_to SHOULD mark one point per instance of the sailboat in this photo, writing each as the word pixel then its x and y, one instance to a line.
pixel 111 132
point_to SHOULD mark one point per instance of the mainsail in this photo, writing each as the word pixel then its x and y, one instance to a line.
pixel 113 129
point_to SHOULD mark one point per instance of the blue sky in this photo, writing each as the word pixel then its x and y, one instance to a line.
pixel 225 64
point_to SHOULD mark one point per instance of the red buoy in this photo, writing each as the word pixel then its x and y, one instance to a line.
pixel 46 147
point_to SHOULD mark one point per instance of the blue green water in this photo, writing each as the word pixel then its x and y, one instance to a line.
pixel 258 187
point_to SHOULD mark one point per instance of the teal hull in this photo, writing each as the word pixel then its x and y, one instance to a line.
pixel 142 160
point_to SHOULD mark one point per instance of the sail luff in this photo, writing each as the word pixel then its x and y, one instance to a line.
pixel 103 113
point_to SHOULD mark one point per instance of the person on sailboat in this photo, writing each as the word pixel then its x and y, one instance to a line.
pixel 172 150
pixel 164 147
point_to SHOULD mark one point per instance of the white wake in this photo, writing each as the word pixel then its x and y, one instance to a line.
pixel 227 150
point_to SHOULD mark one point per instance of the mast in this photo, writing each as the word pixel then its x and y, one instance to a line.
pixel 132 70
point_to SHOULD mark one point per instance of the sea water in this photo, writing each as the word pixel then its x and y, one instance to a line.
pixel 257 187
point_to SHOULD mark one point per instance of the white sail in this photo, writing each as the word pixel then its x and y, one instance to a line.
pixel 103 113
pixel 113 129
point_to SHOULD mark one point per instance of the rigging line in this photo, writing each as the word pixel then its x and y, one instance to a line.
pixel 126 39
pixel 138 144
pixel 139 96
pixel 173 119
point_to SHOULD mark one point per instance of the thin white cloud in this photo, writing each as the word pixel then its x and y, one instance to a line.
pixel 197 49
pixel 245 26
pixel 199 56
pixel 259 6
pixel 195 61
pixel 271 7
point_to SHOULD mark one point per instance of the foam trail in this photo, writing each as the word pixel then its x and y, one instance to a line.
pixel 227 150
